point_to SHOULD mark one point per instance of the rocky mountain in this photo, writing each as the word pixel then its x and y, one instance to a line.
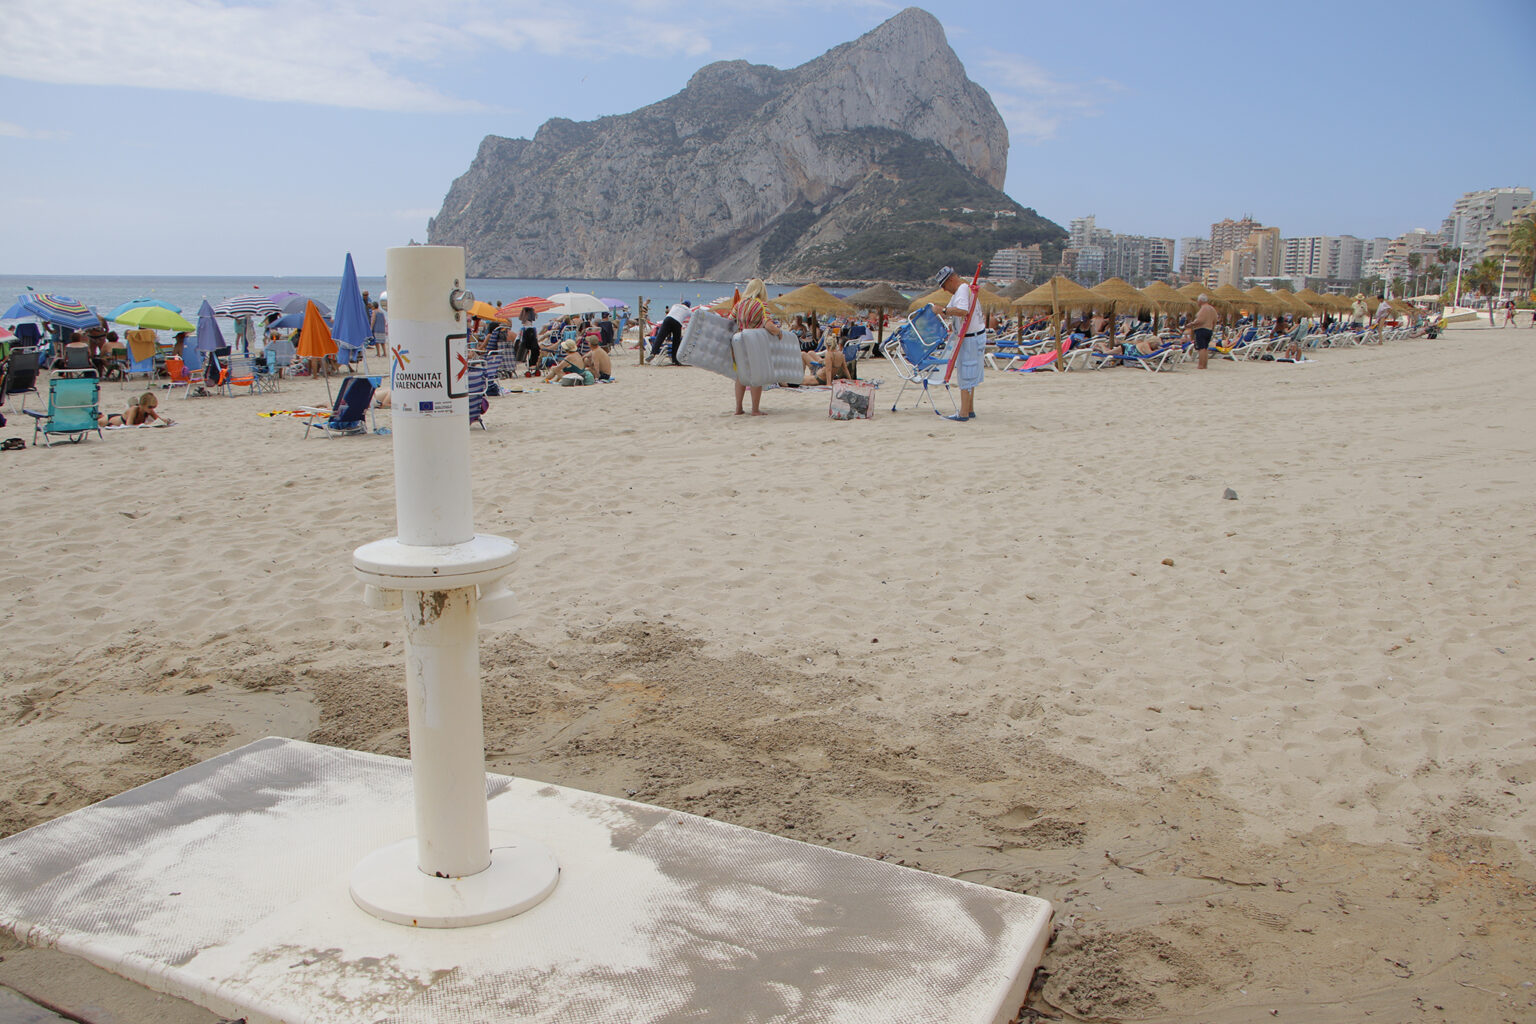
pixel 878 159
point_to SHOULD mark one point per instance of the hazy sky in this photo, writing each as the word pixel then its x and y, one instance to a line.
pixel 272 136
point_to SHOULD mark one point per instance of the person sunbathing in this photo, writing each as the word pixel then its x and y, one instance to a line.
pixel 1141 345
pixel 568 362
pixel 139 413
pixel 825 366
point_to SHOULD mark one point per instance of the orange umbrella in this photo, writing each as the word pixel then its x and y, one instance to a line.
pixel 315 341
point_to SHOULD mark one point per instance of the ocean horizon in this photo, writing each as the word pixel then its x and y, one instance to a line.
pixel 103 292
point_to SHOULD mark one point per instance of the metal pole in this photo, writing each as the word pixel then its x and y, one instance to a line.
pixel 445 578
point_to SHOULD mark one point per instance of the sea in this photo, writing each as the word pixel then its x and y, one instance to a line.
pixel 105 293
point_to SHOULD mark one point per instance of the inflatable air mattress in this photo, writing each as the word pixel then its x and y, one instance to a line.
pixel 762 359
pixel 707 343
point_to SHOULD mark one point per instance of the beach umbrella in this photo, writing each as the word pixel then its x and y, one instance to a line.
pixel 315 341
pixel 294 304
pixel 119 310
pixel 938 299
pixel 612 303
pixel 1125 296
pixel 1017 290
pixel 1234 296
pixel 1068 294
pixel 209 337
pixel 569 303
pixel 247 305
pixel 484 310
pixel 812 298
pixel 56 309
pixel 350 323
pixel 1169 299
pixel 511 310
pixel 878 296
pixel 1314 301
pixel 154 318
pixel 1267 302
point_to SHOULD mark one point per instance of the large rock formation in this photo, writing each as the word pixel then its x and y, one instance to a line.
pixel 873 160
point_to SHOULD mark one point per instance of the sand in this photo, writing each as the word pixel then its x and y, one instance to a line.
pixel 1269 757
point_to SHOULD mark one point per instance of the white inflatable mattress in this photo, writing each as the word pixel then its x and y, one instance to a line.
pixel 707 343
pixel 762 359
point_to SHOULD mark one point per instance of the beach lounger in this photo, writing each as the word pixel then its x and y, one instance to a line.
pixel 349 415
pixel 918 351
pixel 20 376
pixel 73 408
pixel 1162 359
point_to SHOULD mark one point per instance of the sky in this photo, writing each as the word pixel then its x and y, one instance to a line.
pixel 205 137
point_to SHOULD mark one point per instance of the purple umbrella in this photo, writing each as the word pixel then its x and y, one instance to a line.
pixel 209 337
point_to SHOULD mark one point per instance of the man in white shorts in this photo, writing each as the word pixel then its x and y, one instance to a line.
pixel 968 366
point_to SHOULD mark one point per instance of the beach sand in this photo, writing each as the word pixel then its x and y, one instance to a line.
pixel 1270 754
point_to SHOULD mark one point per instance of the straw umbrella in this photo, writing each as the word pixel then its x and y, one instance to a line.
pixel 1061 295
pixel 1017 290
pixel 1169 299
pixel 938 299
pixel 880 297
pixel 1124 297
pixel 815 300
pixel 1315 302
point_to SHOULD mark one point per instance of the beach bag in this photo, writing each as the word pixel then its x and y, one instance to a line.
pixel 852 400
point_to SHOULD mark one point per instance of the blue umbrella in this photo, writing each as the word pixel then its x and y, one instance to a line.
pixel 58 309
pixel 350 325
pixel 118 311
pixel 209 337
pixel 290 320
pixel 16 312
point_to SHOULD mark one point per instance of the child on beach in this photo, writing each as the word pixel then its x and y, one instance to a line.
pixel 140 412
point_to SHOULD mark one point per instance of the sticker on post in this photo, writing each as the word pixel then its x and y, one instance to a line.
pixel 425 383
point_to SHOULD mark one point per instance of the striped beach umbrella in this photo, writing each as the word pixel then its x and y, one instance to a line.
pixel 246 305
pixel 58 309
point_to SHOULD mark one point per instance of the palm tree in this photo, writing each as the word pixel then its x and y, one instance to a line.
pixel 1484 276
pixel 1414 259
pixel 1522 245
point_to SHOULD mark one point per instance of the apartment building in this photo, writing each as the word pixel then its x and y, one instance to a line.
pixel 1476 214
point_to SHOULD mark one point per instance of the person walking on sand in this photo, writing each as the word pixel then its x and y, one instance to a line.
pixel 750 314
pixel 1201 328
pixel 968 366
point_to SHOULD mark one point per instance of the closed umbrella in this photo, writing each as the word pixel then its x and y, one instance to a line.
pixel 315 342
pixel 209 337
pixel 350 325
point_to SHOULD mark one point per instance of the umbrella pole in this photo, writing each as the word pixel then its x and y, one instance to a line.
pixel 1056 322
pixel 645 318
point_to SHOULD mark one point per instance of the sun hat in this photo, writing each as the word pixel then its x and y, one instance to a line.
pixel 567 346
pixel 943 275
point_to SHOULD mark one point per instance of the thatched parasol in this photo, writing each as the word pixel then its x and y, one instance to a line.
pixel 1068 294
pixel 879 296
pixel 1295 303
pixel 1169 299
pixel 1233 296
pixel 812 298
pixel 1267 303
pixel 938 299
pixel 1017 290
pixel 1314 301
pixel 1125 297
pixel 992 302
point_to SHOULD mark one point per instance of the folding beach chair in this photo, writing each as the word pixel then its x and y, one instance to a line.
pixel 76 361
pixel 73 408
pixel 20 376
pixel 350 413
pixel 141 356
pixel 215 374
pixel 478 403
pixel 241 374
pixel 919 354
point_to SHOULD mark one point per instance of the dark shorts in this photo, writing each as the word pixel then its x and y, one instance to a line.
pixel 1202 338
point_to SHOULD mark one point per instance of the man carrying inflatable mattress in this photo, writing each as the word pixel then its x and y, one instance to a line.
pixel 972 332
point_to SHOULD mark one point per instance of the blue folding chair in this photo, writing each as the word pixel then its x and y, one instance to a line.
pixel 919 351
pixel 349 415
pixel 73 410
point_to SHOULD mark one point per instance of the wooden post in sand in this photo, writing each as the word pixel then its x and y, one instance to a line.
pixel 1056 321
pixel 645 316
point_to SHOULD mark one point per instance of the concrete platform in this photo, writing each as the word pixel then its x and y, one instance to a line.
pixel 226 884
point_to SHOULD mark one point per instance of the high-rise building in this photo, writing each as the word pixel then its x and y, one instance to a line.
pixel 1194 258
pixel 1306 256
pixel 1091 260
pixel 1228 234
pixel 1015 263
pixel 1139 259
pixel 1083 231
pixel 1476 214
pixel 1499 248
